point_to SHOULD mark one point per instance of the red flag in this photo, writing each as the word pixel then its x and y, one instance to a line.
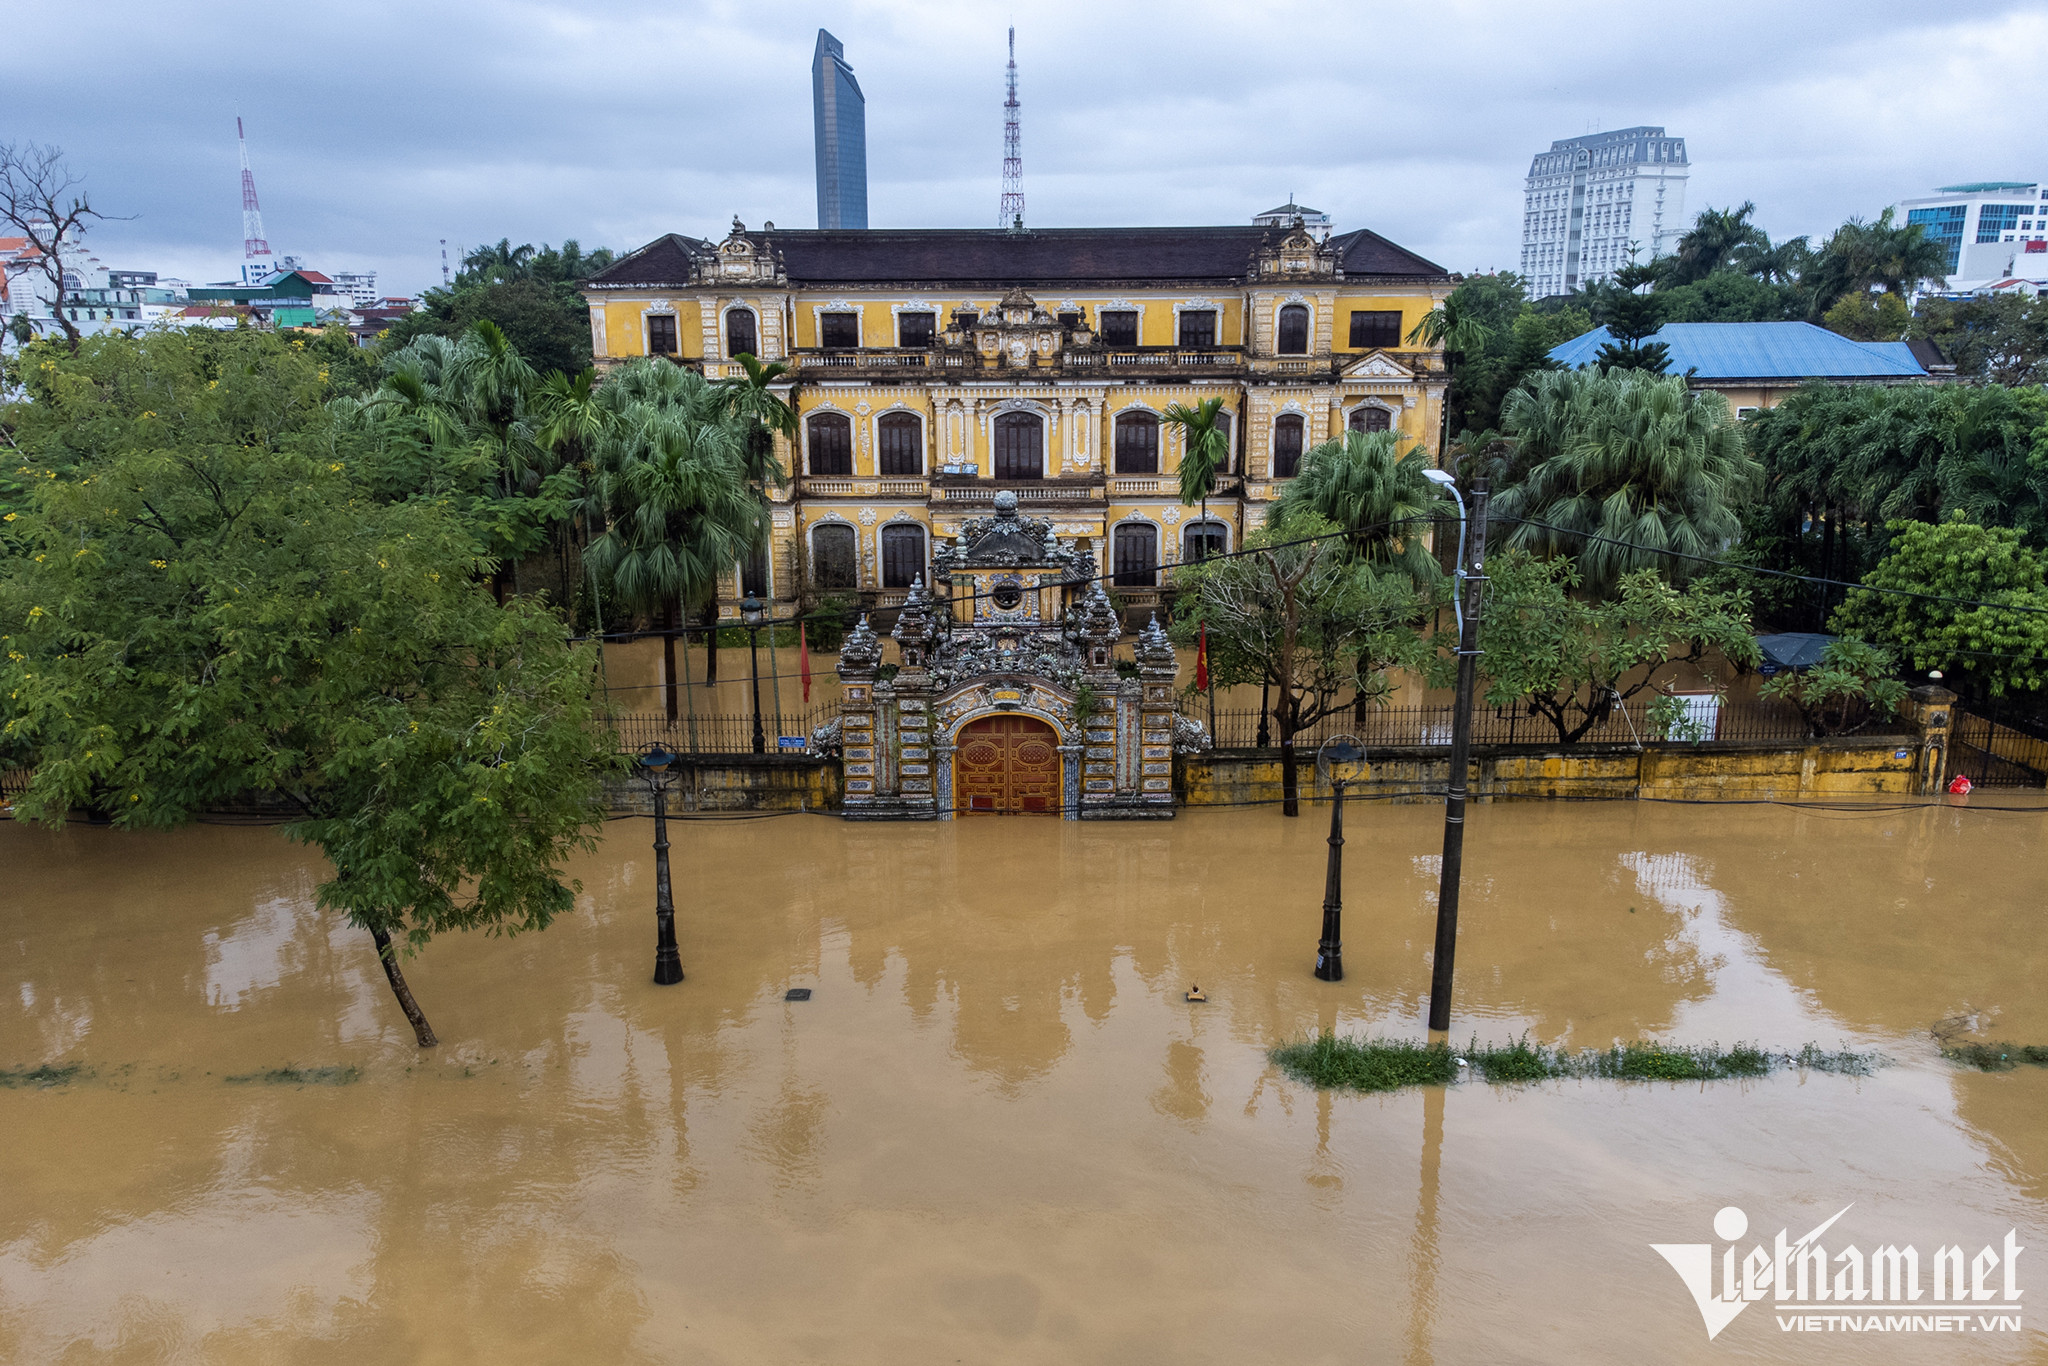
pixel 1202 660
pixel 803 659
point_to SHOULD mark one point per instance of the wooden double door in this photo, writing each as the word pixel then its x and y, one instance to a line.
pixel 1006 765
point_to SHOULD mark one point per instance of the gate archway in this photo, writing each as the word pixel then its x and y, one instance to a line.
pixel 1006 765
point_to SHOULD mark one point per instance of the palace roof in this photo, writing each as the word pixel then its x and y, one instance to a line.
pixel 999 258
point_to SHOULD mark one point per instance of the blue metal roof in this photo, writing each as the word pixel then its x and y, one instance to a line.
pixel 1727 351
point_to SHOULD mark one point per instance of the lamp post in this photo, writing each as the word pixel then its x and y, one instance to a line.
pixel 1467 590
pixel 668 963
pixel 752 613
pixel 1340 759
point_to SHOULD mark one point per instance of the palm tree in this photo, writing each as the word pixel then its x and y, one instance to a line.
pixel 1712 242
pixel 1377 491
pixel 1203 452
pixel 1782 264
pixel 499 264
pixel 679 508
pixel 1630 457
pixel 764 413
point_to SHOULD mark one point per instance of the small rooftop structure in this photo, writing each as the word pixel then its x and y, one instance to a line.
pixel 1770 351
pixel 1756 364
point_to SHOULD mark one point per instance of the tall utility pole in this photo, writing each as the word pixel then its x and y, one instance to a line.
pixel 444 261
pixel 1012 212
pixel 254 247
pixel 1473 585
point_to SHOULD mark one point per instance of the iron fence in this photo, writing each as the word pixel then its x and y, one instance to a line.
pixel 1396 727
pixel 719 734
pixel 1992 755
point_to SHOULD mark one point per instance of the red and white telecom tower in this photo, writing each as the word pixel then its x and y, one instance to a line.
pixel 255 250
pixel 1012 214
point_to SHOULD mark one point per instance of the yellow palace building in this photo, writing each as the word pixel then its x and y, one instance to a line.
pixel 937 367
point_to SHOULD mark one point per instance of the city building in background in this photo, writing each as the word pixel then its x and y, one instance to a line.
pixel 1589 200
pixel 839 112
pixel 1315 220
pixel 1993 229
pixel 936 368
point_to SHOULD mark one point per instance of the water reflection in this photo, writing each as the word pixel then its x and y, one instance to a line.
pixel 996 1130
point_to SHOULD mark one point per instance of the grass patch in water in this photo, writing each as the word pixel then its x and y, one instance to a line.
pixel 299 1076
pixel 1333 1061
pixel 1996 1057
pixel 48 1074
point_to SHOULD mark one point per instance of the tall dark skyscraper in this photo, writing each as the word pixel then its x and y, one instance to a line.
pixel 841 115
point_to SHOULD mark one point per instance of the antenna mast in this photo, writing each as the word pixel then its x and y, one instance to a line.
pixel 1012 213
pixel 253 245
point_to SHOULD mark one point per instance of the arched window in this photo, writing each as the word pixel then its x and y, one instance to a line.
pixel 1293 340
pixel 1200 540
pixel 831 444
pixel 1287 434
pixel 832 557
pixel 1020 446
pixel 739 333
pixel 902 443
pixel 1135 556
pixel 1371 419
pixel 902 555
pixel 1137 444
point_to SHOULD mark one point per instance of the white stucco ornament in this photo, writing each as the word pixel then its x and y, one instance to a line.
pixel 867 516
pixel 1170 516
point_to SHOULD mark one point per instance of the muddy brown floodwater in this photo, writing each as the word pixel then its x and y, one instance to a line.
pixel 996 1132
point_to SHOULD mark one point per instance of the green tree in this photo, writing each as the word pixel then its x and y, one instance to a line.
pixel 1634 458
pixel 1203 450
pixel 2000 339
pixel 1729 296
pixel 1858 257
pixel 1573 660
pixel 1853 684
pixel 763 413
pixel 1300 617
pixel 214 608
pixel 1632 316
pixel 1374 488
pixel 1985 649
pixel 671 487
pixel 530 293
pixel 1869 317
pixel 1716 240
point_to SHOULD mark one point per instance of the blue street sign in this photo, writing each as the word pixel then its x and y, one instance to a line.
pixel 791 742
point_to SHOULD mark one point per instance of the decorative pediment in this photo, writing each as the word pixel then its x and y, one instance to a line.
pixel 1378 365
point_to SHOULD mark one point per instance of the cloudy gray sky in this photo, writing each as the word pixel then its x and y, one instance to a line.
pixel 378 127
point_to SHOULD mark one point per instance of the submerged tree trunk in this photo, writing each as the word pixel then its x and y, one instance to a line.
pixel 386 955
pixel 669 619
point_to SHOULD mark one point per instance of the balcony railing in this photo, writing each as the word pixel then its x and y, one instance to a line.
pixel 813 359
pixel 1038 491
pixel 893 486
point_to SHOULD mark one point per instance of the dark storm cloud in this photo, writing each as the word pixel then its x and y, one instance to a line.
pixel 377 129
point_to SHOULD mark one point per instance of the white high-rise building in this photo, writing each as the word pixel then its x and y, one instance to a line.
pixel 1993 229
pixel 1589 199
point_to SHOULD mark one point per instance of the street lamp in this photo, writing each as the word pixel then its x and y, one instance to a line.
pixel 1467 589
pixel 1340 760
pixel 752 613
pixel 668 963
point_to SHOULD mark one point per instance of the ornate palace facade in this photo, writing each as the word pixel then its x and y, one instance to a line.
pixel 939 367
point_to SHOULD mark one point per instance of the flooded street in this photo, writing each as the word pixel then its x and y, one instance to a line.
pixel 997 1132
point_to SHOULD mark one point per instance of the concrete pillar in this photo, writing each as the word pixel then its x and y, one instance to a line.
pixel 1933 708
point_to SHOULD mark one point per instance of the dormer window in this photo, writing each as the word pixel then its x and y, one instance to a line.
pixel 839 331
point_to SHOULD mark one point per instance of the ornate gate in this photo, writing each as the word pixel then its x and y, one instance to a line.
pixel 1005 765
